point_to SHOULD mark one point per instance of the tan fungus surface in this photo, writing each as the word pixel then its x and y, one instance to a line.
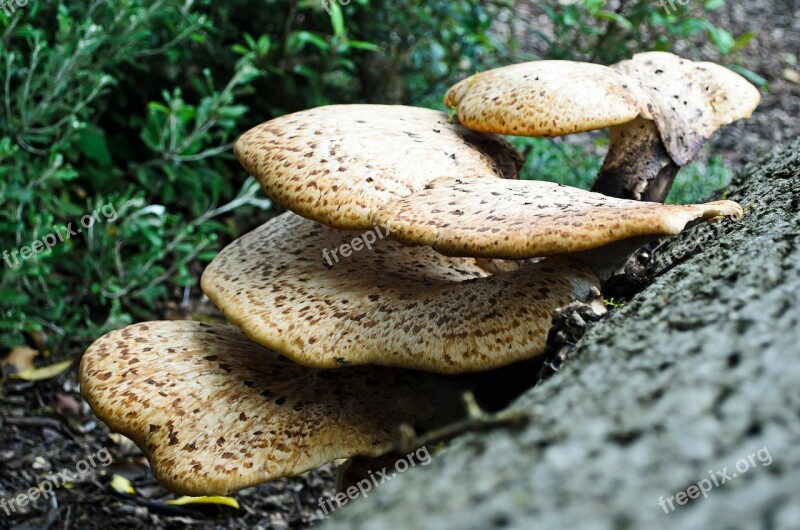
pixel 338 164
pixel 547 98
pixel 214 412
pixel 692 99
pixel 524 219
pixel 392 305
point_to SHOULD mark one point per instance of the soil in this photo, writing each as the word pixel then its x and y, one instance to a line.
pixel 46 427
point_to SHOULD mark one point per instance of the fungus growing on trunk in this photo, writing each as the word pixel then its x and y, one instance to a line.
pixel 692 101
pixel 520 219
pixel 338 164
pixel 390 305
pixel 660 108
pixel 214 412
pixel 216 409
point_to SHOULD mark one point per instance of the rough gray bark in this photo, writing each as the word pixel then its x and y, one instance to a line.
pixel 699 371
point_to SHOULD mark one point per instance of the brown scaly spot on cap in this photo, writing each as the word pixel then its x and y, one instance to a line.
pixel 214 412
pixel 338 164
pixel 515 220
pixel 389 305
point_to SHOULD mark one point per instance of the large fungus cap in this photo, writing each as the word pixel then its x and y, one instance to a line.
pixel 214 412
pixel 338 164
pixel 524 219
pixel 387 304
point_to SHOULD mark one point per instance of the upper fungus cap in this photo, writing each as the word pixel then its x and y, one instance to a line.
pixel 390 305
pixel 338 164
pixel 688 100
pixel 525 218
pixel 547 98
pixel 214 412
pixel 692 99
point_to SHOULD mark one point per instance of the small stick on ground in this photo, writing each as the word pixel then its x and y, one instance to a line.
pixel 476 420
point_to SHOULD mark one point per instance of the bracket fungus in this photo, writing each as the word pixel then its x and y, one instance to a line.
pixel 337 164
pixel 441 294
pixel 692 100
pixel 520 219
pixel 660 108
pixel 214 412
pixel 392 306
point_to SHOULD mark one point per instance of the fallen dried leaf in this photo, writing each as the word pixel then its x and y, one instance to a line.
pixel 18 360
pixel 224 501
pixel 66 405
pixel 122 485
pixel 45 372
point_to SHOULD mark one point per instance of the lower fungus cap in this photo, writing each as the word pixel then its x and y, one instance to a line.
pixel 215 413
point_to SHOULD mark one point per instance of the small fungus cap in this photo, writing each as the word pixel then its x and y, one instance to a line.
pixel 387 304
pixel 524 219
pixel 547 98
pixel 337 164
pixel 214 412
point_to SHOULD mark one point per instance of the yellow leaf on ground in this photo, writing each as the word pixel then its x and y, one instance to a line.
pixel 45 372
pixel 122 485
pixel 19 359
pixel 224 501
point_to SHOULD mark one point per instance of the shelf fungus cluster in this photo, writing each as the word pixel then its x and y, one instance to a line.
pixel 660 109
pixel 326 361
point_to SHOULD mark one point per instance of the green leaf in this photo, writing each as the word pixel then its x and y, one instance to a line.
pixel 298 39
pixel 750 75
pixel 13 298
pixel 616 17
pixel 361 45
pixel 743 41
pixel 712 5
pixel 92 143
pixel 723 39
pixel 337 19
pixel 306 71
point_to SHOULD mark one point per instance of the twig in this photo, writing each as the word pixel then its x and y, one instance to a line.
pixel 476 420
